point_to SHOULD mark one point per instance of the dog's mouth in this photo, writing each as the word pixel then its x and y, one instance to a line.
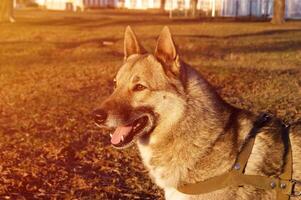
pixel 125 136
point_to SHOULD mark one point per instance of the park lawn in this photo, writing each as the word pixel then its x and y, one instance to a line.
pixel 55 67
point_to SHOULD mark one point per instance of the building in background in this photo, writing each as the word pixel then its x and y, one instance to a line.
pixel 258 8
pixel 224 8
pixel 76 5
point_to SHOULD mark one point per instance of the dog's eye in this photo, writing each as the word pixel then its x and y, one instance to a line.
pixel 138 88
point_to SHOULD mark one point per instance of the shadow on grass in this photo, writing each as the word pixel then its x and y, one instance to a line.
pixel 63 45
pixel 66 21
pixel 277 46
pixel 216 50
pixel 99 18
pixel 150 20
pixel 287 46
pixel 261 33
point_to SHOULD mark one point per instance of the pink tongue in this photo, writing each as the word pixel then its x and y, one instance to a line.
pixel 119 132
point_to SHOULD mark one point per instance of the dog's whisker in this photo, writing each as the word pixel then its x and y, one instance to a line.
pixel 98 125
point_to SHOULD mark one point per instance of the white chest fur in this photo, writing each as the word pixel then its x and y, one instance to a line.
pixel 158 173
pixel 146 155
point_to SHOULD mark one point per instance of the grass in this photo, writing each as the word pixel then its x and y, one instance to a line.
pixel 55 67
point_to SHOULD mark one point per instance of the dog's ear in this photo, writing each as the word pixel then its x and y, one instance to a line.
pixel 166 51
pixel 131 44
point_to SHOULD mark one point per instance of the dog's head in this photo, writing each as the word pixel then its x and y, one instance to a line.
pixel 149 92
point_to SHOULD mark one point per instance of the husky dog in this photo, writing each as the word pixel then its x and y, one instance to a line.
pixel 184 131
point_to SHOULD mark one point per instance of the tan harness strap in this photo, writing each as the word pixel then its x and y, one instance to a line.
pixel 286 184
pixel 236 177
pixel 231 178
pixel 244 155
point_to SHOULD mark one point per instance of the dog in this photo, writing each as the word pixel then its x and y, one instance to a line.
pixel 185 132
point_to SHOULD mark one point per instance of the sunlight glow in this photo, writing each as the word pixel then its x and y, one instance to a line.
pixel 127 3
pixel 40 2
pixel 150 3
pixel 187 4
pixel 213 7
pixel 139 4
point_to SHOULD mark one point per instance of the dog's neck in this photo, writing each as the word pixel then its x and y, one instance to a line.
pixel 206 131
pixel 212 136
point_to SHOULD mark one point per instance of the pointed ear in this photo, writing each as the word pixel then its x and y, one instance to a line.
pixel 166 51
pixel 131 44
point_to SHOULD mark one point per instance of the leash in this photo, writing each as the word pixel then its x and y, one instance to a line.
pixel 284 185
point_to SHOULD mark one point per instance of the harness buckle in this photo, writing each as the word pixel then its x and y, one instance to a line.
pixel 295 193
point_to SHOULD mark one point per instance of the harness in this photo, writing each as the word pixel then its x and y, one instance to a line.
pixel 283 184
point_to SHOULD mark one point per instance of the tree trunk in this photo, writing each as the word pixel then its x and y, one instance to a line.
pixel 279 12
pixel 194 4
pixel 162 4
pixel 6 11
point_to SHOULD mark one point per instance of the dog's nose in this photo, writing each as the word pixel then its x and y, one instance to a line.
pixel 99 116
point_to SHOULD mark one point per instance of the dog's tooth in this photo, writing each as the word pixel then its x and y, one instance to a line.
pixel 111 135
pixel 122 138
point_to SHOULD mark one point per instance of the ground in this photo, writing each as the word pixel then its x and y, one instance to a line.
pixel 55 67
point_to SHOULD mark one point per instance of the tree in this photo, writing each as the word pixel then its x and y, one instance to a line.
pixel 279 12
pixel 194 4
pixel 6 11
pixel 162 4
